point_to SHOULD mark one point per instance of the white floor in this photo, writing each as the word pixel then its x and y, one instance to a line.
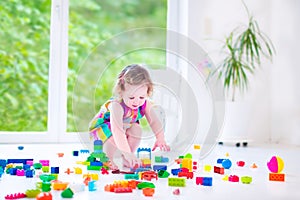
pixel 260 188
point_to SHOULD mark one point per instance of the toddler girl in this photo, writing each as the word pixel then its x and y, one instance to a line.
pixel 117 122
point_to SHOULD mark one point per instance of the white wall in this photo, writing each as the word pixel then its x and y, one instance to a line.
pixel 274 93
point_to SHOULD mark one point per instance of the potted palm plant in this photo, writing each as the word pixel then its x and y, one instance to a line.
pixel 243 51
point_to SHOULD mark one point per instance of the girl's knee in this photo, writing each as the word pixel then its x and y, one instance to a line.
pixel 135 130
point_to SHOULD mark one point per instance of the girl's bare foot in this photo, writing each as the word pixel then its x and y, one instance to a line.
pixel 113 166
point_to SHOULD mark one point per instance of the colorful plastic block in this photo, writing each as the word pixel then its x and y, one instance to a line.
pixel 159 167
pixel 240 163
pixel 29 173
pixel 24 161
pixel 20 172
pixel 104 171
pixel 226 163
pixel 246 179
pixel 84 151
pixel 47 177
pixel 205 181
pixel 178 182
pixel 77 187
pixel 123 190
pixel 144 150
pixel 145 185
pixel 187 163
pixel 75 153
pixel 161 159
pixel 32 193
pixel 218 170
pixel 44 196
pixel 197 146
pixel 45 169
pixel 15 196
pixel 176 191
pixel 59 185
pixel 54 170
pixel 148 192
pixel 60 155
pixel 3 163
pixel 37 166
pixel 78 170
pixel 67 193
pixel 233 178
pixel 46 186
pixel 45 162
pixel 131 176
pixel 276 177
pixel 188 175
pixel 207 168
pixel 175 171
pixel 92 186
pixel 163 174
pixel 69 171
pixel 148 175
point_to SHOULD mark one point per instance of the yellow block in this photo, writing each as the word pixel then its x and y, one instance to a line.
pixel 207 168
pixel 187 163
pixel 197 146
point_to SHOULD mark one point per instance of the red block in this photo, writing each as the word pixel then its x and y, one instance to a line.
pixel 219 170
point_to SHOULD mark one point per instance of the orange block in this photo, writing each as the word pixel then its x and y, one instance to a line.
pixel 276 177
pixel 148 192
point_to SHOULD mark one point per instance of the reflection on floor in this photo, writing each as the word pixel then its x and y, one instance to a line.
pixel 259 188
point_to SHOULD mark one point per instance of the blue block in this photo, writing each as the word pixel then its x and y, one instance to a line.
pixel 159 167
pixel 29 173
pixel 26 167
pixel 100 164
pixel 207 181
pixel 220 160
pixel 2 163
pixel 84 151
pixel 175 171
pixel 24 161
pixel 13 171
pixel 54 170
pixel 75 153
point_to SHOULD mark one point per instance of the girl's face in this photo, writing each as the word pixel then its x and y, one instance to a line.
pixel 135 96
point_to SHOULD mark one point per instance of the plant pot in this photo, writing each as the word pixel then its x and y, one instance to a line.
pixel 235 127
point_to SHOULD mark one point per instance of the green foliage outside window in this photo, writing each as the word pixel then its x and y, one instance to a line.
pixel 24 52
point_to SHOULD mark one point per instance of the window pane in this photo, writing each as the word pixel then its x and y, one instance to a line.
pixel 94 21
pixel 24 60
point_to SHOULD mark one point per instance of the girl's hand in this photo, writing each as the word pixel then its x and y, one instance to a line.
pixel 132 160
pixel 162 145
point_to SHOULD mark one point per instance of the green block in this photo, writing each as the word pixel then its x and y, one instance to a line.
pixel 67 193
pixel 45 169
pixel 46 186
pixel 131 176
pixel 47 177
pixel 157 159
pixel 246 179
pixel 163 174
pixel 145 185
pixel 178 182
pixel 94 168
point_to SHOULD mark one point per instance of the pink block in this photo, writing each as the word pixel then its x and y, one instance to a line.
pixel 20 172
pixel 29 162
pixel 44 162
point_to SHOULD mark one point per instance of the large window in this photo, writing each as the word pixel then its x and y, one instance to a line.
pixel 43 45
pixel 24 61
